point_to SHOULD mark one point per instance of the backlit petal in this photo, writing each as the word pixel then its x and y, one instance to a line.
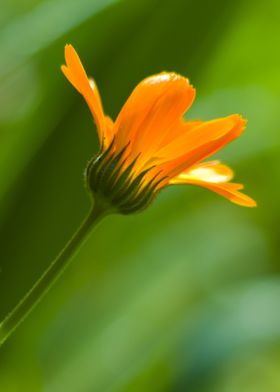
pixel 214 176
pixel 202 134
pixel 75 73
pixel 212 171
pixel 200 143
pixel 230 191
pixel 150 112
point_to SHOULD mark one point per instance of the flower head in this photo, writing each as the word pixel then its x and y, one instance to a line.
pixel 150 145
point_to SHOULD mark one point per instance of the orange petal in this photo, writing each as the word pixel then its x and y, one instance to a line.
pixel 109 123
pixel 214 176
pixel 212 172
pixel 75 73
pixel 150 111
pixel 201 142
pixel 179 128
pixel 202 134
pixel 230 191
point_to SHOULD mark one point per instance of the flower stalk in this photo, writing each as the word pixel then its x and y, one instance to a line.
pixel 56 268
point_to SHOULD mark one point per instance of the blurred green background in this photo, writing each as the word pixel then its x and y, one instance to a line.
pixel 184 296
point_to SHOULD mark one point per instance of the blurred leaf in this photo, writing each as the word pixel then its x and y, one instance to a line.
pixel 41 26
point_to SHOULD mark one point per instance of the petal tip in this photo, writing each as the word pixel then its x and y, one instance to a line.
pixel 244 200
pixel 252 203
pixel 240 120
pixel 238 124
pixel 67 48
pixel 63 69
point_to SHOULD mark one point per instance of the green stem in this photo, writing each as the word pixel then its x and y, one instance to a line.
pixel 34 295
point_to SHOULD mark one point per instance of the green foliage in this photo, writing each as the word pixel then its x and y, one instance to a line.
pixel 185 295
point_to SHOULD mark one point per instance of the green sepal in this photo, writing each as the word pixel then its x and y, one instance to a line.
pixel 110 179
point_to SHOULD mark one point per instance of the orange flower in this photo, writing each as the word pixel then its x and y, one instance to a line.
pixel 150 145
